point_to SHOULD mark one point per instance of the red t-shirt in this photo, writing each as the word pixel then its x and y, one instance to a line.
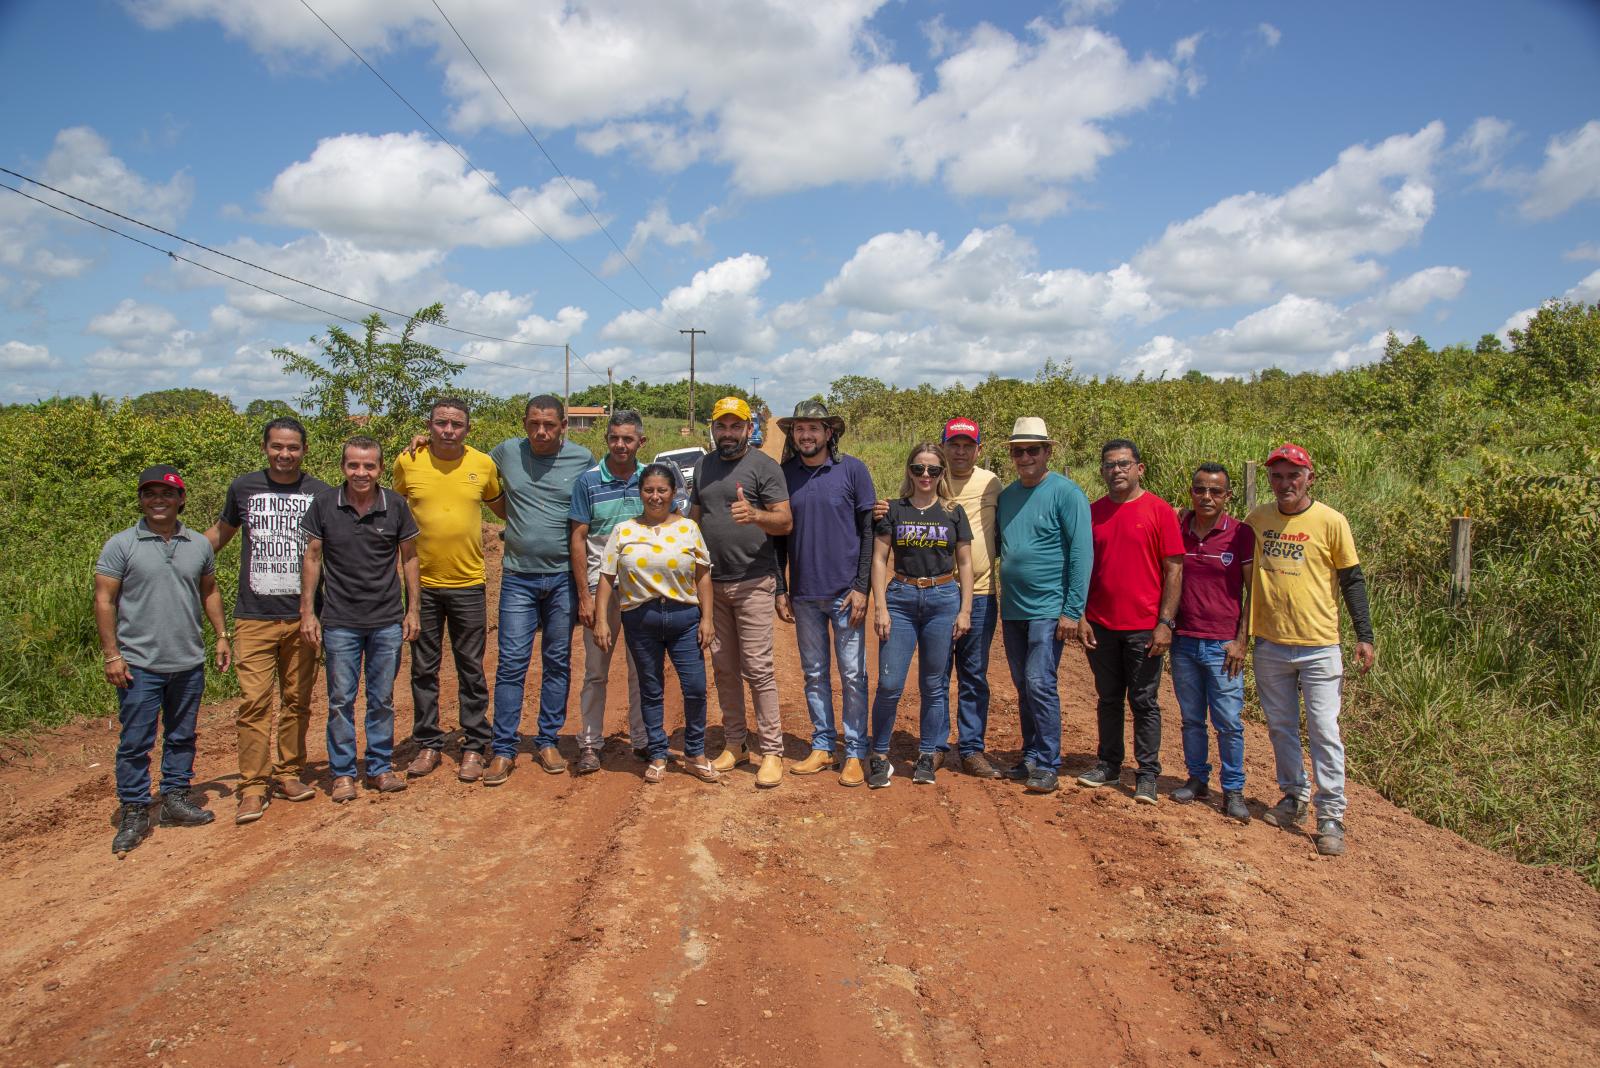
pixel 1213 578
pixel 1130 541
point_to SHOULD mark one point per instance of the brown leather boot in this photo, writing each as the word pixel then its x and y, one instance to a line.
pixel 251 808
pixel 551 760
pixel 425 761
pixel 770 773
pixel 471 769
pixel 817 760
pixel 499 770
pixel 386 783
pixel 344 789
pixel 853 773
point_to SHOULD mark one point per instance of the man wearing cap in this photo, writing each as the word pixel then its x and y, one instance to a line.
pixel 978 492
pixel 1305 560
pixel 269 649
pixel 150 584
pixel 741 501
pixel 1044 541
pixel 824 573
pixel 357 532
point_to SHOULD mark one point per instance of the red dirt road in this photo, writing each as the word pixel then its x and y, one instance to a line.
pixel 603 921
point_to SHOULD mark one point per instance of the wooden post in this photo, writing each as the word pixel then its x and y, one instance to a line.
pixel 611 394
pixel 1460 560
pixel 1249 485
pixel 566 386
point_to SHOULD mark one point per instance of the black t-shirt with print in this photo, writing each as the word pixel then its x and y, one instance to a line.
pixel 924 540
pixel 268 514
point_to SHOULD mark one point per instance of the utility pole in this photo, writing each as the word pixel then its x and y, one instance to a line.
pixel 691 332
pixel 611 394
pixel 566 394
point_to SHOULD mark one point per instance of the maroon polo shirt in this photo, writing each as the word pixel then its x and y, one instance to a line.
pixel 1213 578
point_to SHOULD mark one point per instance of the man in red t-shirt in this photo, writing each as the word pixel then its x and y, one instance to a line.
pixel 1133 604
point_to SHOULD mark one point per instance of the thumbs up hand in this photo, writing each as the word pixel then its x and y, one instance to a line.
pixel 743 511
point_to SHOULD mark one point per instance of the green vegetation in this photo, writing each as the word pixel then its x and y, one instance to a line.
pixel 1484 719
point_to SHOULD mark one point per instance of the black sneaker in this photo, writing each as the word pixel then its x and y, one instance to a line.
pixel 1144 790
pixel 1019 771
pixel 1288 813
pixel 132 826
pixel 879 771
pixel 1233 806
pixel 178 811
pixel 1042 781
pixel 1101 775
pixel 923 774
pixel 1330 838
pixel 1193 789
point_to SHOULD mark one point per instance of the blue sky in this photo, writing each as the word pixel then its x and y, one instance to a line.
pixel 916 191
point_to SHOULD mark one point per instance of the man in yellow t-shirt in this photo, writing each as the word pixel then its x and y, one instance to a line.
pixel 447 484
pixel 1305 561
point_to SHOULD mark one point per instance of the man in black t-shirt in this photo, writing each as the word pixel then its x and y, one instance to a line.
pixel 268 648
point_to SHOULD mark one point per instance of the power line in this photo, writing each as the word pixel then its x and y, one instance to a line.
pixel 254 285
pixel 475 170
pixel 548 158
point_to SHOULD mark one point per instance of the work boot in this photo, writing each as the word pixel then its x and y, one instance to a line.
pixel 1101 774
pixel 251 808
pixel 729 759
pixel 499 770
pixel 132 825
pixel 178 811
pixel 1288 813
pixel 551 760
pixel 425 761
pixel 1330 838
pixel 853 774
pixel 588 762
pixel 1193 789
pixel 817 760
pixel 1233 806
pixel 979 766
pixel 770 773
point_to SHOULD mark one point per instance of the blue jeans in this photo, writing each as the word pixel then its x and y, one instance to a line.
pixel 655 630
pixel 347 650
pixel 1034 655
pixel 972 674
pixel 812 617
pixel 920 621
pixel 168 698
pixel 1201 683
pixel 528 602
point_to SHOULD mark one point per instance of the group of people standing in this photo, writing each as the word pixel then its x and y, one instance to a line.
pixel 680 567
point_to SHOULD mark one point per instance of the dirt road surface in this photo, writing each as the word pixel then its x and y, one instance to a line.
pixel 558 920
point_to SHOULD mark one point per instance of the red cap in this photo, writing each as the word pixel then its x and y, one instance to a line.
pixel 1293 453
pixel 960 427
pixel 163 473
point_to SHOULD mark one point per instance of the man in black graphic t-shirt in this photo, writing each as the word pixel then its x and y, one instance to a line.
pixel 267 506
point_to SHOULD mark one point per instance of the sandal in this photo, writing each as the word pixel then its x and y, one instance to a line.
pixel 701 769
pixel 655 771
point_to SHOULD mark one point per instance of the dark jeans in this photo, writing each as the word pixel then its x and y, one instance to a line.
pixel 972 674
pixel 172 700
pixel 1122 672
pixel 529 603
pixel 655 630
pixel 466 612
pixel 1034 654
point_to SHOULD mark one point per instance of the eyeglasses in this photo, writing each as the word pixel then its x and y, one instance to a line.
pixel 1209 491
pixel 1117 465
pixel 1026 450
pixel 927 470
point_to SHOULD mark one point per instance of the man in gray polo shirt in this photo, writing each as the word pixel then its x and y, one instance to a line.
pixel 149 585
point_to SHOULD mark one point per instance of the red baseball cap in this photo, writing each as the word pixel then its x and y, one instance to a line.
pixel 1293 453
pixel 960 427
pixel 163 473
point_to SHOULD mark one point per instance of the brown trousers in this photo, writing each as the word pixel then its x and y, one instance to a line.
pixel 267 651
pixel 742 613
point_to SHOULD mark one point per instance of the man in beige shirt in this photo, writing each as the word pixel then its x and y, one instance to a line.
pixel 977 491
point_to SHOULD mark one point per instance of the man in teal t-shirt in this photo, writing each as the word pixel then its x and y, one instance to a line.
pixel 1046 551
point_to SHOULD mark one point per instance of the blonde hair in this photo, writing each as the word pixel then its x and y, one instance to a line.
pixel 942 489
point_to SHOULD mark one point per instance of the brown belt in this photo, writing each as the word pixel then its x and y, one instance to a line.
pixel 924 583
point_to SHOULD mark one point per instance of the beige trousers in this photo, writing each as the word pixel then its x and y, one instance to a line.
pixel 742 613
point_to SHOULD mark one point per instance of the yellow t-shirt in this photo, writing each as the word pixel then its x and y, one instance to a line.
pixel 446 496
pixel 650 562
pixel 980 495
pixel 1294 591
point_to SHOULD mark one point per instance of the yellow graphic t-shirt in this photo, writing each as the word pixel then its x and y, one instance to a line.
pixel 979 495
pixel 649 562
pixel 446 496
pixel 1294 590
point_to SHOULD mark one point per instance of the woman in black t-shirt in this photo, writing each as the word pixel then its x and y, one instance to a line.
pixel 922 587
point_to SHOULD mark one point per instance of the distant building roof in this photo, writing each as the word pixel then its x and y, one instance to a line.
pixel 586 409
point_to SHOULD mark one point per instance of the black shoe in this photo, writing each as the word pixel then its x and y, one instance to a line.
pixel 1042 781
pixel 1233 805
pixel 1330 838
pixel 642 755
pixel 1144 790
pixel 178 811
pixel 132 826
pixel 1020 771
pixel 1101 775
pixel 879 772
pixel 1193 789
pixel 1288 813
pixel 923 775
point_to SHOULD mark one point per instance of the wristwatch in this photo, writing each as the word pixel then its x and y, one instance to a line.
pixel 1170 624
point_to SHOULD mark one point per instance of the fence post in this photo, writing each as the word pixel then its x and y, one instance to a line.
pixel 1249 485
pixel 1460 560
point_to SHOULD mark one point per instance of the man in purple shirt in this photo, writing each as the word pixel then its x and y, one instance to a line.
pixel 1209 648
pixel 824 572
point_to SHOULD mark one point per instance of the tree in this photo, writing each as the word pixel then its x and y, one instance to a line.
pixel 1195 375
pixel 852 389
pixel 266 410
pixel 1557 354
pixel 167 403
pixel 396 379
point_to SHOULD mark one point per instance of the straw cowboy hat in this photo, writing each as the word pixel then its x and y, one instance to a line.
pixel 1030 430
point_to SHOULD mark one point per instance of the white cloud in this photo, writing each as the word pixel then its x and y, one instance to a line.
pixel 52 264
pixel 1161 355
pixel 1412 294
pixel 130 321
pixel 1316 238
pixel 407 191
pixel 1587 250
pixel 1570 173
pixel 1270 34
pixel 724 300
pixel 656 226
pixel 21 356
pixel 156 362
pixel 1483 146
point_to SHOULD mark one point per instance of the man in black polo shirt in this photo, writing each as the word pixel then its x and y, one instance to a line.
pixel 357 531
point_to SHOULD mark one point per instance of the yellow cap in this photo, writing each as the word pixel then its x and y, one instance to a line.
pixel 731 406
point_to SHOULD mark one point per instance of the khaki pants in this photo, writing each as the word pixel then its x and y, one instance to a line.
pixel 265 651
pixel 742 613
pixel 596 674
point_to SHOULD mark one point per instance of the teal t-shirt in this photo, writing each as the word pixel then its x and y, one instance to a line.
pixel 1046 548
pixel 538 493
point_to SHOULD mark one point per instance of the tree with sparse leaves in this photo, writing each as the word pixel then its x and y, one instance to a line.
pixel 394 379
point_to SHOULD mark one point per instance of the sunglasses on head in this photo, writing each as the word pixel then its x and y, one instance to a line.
pixel 928 470
pixel 1026 450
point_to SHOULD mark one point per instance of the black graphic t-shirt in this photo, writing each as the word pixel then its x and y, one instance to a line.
pixel 924 540
pixel 268 514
